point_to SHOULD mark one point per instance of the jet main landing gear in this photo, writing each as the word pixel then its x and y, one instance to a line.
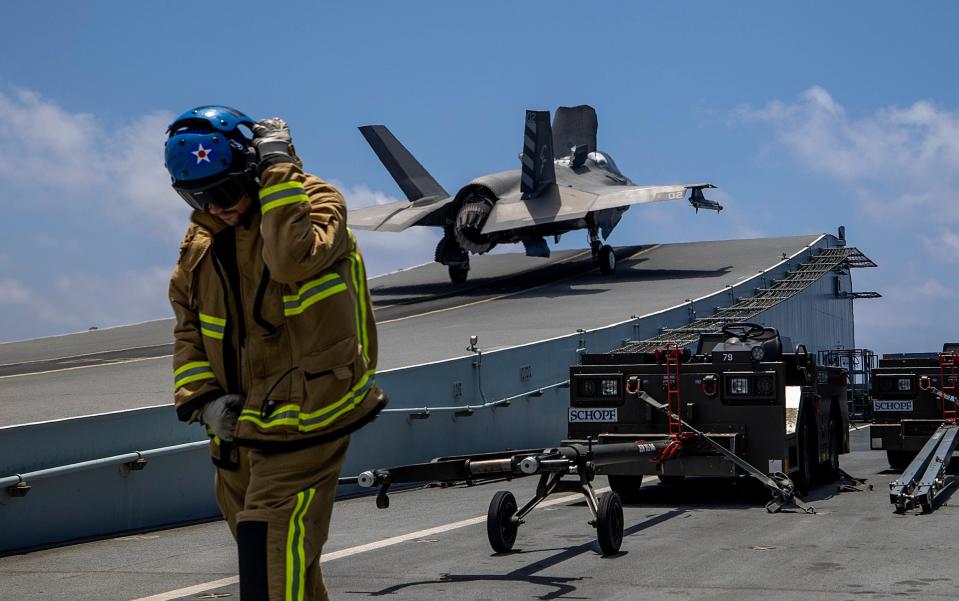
pixel 604 257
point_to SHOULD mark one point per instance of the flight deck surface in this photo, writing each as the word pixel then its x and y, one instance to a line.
pixel 696 542
pixel 510 299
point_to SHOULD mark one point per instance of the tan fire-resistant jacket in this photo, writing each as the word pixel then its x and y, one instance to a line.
pixel 297 336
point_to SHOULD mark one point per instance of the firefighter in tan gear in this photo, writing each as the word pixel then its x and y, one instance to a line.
pixel 275 340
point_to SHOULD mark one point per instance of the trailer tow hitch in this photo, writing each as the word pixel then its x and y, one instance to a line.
pixel 782 488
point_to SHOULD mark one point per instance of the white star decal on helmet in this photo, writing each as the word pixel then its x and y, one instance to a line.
pixel 202 154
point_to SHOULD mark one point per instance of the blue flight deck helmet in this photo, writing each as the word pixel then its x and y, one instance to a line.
pixel 209 156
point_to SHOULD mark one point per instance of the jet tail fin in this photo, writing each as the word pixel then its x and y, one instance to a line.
pixel 412 178
pixel 574 126
pixel 537 157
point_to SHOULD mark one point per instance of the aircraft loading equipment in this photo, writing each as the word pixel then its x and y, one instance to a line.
pixel 505 517
pixel 912 396
pixel 779 484
pixel 925 478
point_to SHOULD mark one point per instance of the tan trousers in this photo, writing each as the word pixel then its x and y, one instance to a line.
pixel 278 506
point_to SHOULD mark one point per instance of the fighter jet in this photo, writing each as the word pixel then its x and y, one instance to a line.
pixel 564 184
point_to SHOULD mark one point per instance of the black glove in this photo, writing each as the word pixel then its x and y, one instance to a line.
pixel 272 142
pixel 220 415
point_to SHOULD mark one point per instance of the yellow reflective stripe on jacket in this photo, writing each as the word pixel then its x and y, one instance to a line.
pixel 192 372
pixel 359 286
pixel 282 194
pixel 313 292
pixel 295 552
pixel 291 415
pixel 214 327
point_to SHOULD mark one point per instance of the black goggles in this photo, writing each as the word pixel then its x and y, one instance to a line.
pixel 223 193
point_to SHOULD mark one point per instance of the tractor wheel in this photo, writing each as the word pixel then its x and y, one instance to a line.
pixel 899 460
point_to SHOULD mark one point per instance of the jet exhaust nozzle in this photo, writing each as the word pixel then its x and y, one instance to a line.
pixel 470 219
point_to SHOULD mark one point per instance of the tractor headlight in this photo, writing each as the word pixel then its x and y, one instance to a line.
pixel 739 386
pixel 609 387
pixel 757 353
pixel 587 388
pixel 904 384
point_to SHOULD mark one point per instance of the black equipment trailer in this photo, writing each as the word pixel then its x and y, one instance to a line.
pixel 919 392
pixel 908 402
pixel 777 412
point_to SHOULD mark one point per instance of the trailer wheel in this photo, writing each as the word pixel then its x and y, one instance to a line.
pixel 806 454
pixel 609 523
pixel 899 460
pixel 500 528
pixel 829 469
pixel 627 487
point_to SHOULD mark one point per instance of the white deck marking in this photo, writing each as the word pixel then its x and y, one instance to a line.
pixel 386 542
pixel 108 364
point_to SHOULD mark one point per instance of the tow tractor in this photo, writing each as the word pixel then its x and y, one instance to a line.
pixel 738 406
pixel 914 408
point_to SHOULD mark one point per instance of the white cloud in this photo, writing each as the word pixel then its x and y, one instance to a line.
pixel 13 293
pixel 42 144
pixel 142 184
pixel 62 158
pixel 934 289
pixel 912 316
pixel 945 244
pixel 900 162
pixel 104 300
pixel 389 251
pixel 361 195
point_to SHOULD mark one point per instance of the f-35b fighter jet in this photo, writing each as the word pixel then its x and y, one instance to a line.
pixel 564 184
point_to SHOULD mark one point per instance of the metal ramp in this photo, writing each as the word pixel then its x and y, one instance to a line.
pixel 745 308
pixel 925 478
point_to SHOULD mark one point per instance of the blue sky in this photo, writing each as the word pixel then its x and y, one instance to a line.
pixel 807 115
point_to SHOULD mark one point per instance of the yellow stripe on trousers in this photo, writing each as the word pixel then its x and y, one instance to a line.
pixel 295 585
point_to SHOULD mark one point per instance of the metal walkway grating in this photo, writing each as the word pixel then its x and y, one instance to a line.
pixel 745 308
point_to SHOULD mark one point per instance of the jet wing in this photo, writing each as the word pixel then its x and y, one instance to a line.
pixel 636 195
pixel 397 216
pixel 561 203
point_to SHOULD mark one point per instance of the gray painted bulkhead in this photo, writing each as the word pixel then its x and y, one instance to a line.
pixel 425 419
